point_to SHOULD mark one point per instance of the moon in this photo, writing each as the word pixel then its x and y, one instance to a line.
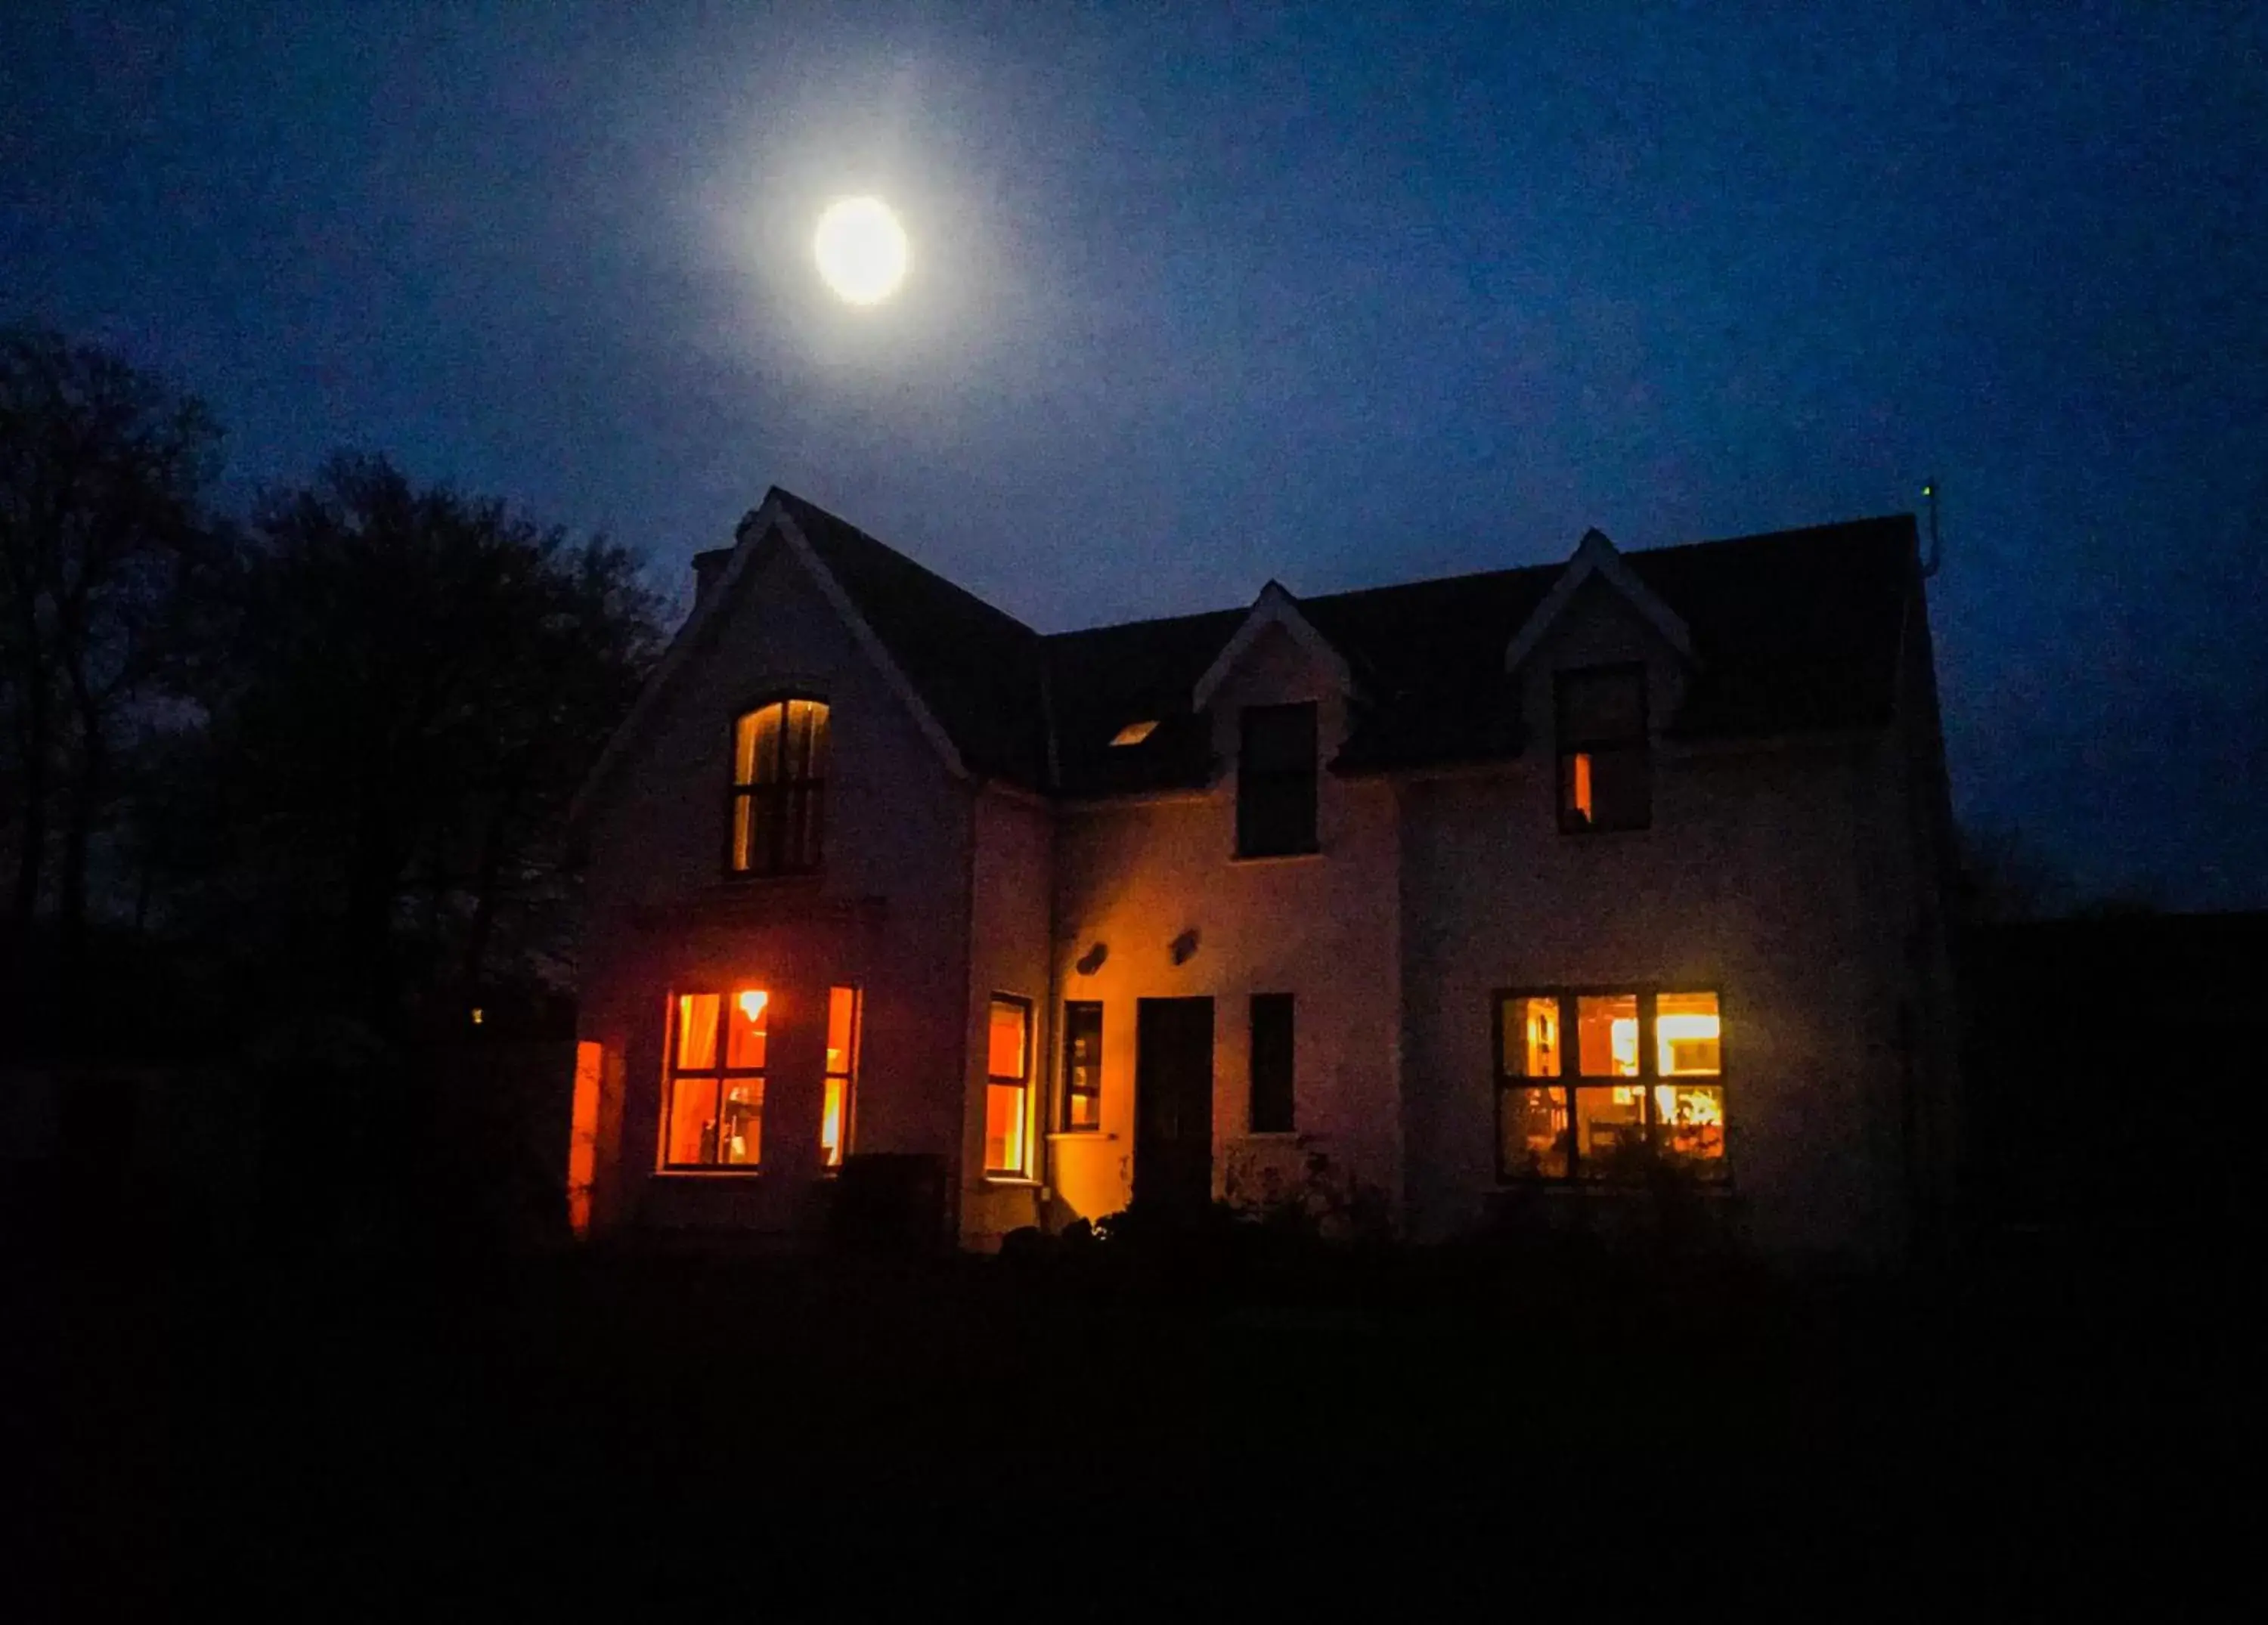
pixel 861 250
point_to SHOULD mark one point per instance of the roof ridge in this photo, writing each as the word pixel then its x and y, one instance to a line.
pixel 1502 572
pixel 803 504
pixel 1123 626
pixel 1340 595
pixel 1862 523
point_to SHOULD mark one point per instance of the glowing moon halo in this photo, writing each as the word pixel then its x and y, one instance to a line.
pixel 861 250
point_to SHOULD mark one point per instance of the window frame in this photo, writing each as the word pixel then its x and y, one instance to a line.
pixel 719 1074
pixel 1289 1004
pixel 1715 1171
pixel 1565 747
pixel 1070 1093
pixel 1251 783
pixel 1023 1082
pixel 848 1072
pixel 807 794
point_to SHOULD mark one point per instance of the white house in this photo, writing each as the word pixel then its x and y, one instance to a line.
pixel 1511 888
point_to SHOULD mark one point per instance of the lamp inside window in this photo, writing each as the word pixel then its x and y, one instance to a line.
pixel 714 1115
pixel 1647 1085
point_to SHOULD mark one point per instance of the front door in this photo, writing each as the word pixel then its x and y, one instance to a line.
pixel 1173 1104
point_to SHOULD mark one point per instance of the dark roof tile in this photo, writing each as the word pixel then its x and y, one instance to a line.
pixel 975 667
pixel 1794 630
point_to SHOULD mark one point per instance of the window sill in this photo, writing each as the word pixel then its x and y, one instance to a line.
pixel 1276 857
pixel 1715 1184
pixel 1011 1181
pixel 708 1174
pixel 1080 1134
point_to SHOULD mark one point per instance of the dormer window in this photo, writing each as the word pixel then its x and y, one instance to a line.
pixel 1606 780
pixel 1133 734
pixel 779 789
pixel 1276 781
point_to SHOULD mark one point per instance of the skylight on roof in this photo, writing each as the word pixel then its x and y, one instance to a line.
pixel 1133 734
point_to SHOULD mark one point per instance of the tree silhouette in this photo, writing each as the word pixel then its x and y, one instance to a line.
pixel 103 537
pixel 417 681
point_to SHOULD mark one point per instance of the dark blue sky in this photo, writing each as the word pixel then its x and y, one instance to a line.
pixel 1256 292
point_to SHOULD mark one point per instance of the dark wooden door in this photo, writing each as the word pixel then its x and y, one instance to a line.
pixel 1172 1103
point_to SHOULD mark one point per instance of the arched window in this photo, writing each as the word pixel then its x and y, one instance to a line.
pixel 779 789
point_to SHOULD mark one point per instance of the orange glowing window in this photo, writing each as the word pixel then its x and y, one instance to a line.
pixel 1690 1120
pixel 1010 1024
pixel 842 1074
pixel 1531 1038
pixel 779 822
pixel 713 1111
pixel 1007 1086
pixel 1606 1035
pixel 744 1044
pixel 696 1030
pixel 1605 779
pixel 583 1135
pixel 1608 1117
pixel 1532 1127
pixel 1687 1033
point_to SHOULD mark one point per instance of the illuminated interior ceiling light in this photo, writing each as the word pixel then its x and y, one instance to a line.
pixel 752 1001
pixel 1133 734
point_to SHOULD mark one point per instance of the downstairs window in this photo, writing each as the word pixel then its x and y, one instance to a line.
pixel 713 1109
pixel 1645 1086
pixel 1082 1044
pixel 842 1075
pixel 1007 1086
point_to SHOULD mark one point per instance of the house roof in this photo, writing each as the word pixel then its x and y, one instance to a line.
pixel 1790 631
pixel 977 668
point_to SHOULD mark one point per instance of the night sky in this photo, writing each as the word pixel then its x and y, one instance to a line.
pixel 1260 292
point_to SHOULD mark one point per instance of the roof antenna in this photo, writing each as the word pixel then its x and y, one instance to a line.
pixel 1930 564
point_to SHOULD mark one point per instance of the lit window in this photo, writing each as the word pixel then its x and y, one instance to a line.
pixel 1532 1119
pixel 779 789
pixel 1686 1029
pixel 1007 1088
pixel 1615 1115
pixel 1606 1035
pixel 1690 1119
pixel 842 1074
pixel 714 1115
pixel 1532 1037
pixel 1605 779
pixel 1276 781
pixel 1133 734
pixel 583 1134
pixel 1082 1096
